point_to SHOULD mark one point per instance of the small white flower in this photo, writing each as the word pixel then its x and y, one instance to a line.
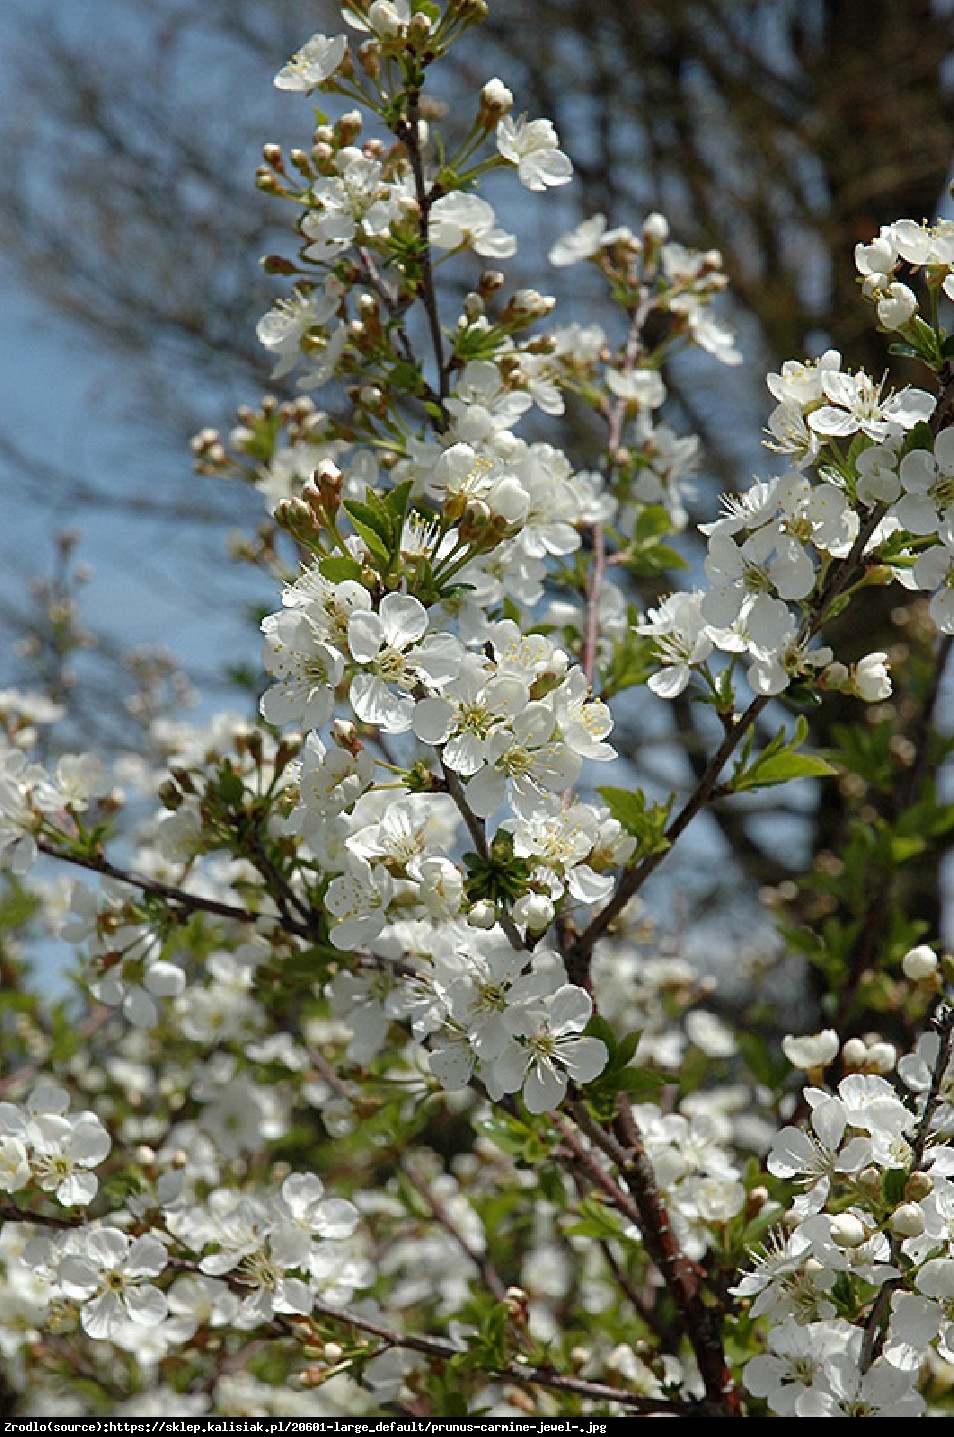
pixel 554 1053
pixel 872 681
pixel 459 221
pixel 897 304
pixel 378 640
pixel 315 62
pixel 307 671
pixel 109 1281
pixel 533 146
pixel 856 404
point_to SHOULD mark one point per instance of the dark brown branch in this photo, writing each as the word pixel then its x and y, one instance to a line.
pixel 178 897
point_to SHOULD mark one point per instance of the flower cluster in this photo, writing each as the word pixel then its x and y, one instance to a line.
pixel 382 1084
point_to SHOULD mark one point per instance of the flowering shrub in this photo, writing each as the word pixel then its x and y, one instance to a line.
pixel 378 1092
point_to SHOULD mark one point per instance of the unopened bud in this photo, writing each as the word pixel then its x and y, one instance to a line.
pixel 345 734
pixel 919 963
pixel 482 914
pixel 534 911
pixel 295 516
pixel 907 1221
pixel 495 101
pixel 419 30
pixel 384 19
pixel 475 521
pixel 655 229
pixel 369 58
pixel 847 1230
pixel 881 1057
pixel 302 162
pixel 348 127
pixel 854 1053
pixel 918 1186
pixel 266 181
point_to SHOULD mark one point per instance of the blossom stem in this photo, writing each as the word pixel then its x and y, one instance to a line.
pixel 409 133
pixel 178 897
pixel 632 879
pixel 876 1323
pixel 645 1206
pixel 519 1372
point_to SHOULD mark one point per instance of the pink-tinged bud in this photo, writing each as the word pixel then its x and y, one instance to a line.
pixel 369 58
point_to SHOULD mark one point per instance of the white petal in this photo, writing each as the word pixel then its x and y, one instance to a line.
pixel 146 1305
pixel 101 1317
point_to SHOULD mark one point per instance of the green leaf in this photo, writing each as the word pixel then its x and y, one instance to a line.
pixel 779 762
pixel 921 436
pixel 370 516
pixel 230 787
pixel 396 506
pixel 644 821
pixel 336 568
pixel 782 768
pixel 596 1221
pixel 377 549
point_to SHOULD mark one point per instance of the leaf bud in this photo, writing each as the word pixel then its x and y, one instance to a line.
pixel 278 264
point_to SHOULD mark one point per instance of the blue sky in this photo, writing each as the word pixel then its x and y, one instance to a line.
pixel 74 407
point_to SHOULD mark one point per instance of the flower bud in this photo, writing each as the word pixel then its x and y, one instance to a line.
pixel 872 683
pixel 482 914
pixel 812 1050
pixel 897 306
pixel 854 1054
pixel 655 228
pixel 534 911
pixel 919 963
pixel 881 1057
pixel 495 100
pixel 907 1220
pixel 847 1230
pixel 918 1186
